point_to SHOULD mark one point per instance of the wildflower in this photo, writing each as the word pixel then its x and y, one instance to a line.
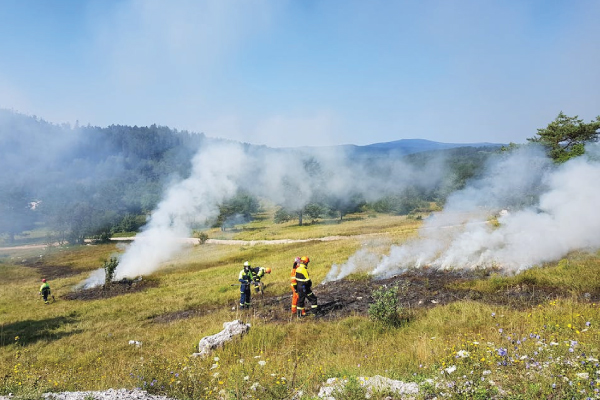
pixel 493 314
pixel 262 363
pixel 502 352
pixel 500 330
pixel 450 369
pixel 216 359
pixel 586 324
pixel 583 375
pixel 246 378
pixel 463 354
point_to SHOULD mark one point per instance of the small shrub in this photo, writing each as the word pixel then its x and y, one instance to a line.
pixel 281 216
pixel 201 236
pixel 109 268
pixel 386 306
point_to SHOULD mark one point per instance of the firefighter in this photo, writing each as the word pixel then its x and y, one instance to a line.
pixel 258 273
pixel 45 291
pixel 294 286
pixel 304 287
pixel 245 278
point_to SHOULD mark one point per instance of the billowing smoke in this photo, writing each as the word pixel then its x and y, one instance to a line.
pixel 543 212
pixel 214 175
pixel 287 178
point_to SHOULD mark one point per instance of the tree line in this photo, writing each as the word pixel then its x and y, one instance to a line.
pixel 91 182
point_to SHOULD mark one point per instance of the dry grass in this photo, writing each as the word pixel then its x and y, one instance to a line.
pixel 84 345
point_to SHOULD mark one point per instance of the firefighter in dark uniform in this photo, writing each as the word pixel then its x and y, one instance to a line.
pixel 258 273
pixel 304 285
pixel 245 279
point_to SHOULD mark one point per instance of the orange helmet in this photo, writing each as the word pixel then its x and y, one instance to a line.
pixel 304 260
pixel 268 270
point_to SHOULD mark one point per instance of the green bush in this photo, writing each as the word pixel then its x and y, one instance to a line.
pixel 386 307
pixel 109 268
pixel 201 236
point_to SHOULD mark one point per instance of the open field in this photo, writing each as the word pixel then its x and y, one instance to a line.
pixel 464 335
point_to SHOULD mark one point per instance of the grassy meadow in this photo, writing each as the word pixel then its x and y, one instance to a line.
pixel 462 350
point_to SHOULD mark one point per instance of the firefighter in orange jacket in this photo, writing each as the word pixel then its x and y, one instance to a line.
pixel 304 285
pixel 294 285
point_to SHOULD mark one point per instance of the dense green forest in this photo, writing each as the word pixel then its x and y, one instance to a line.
pixel 83 182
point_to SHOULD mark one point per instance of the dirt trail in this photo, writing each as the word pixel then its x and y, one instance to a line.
pixel 237 242
pixel 233 242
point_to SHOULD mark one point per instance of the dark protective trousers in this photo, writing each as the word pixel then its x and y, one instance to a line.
pixel 305 292
pixel 245 293
pixel 45 294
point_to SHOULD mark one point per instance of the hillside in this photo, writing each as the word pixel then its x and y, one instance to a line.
pixel 87 182
pixel 456 333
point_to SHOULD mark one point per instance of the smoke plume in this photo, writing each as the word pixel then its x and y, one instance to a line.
pixel 543 212
pixel 287 178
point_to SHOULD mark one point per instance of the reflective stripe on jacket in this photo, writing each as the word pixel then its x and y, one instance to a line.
pixel 302 274
pixel 245 276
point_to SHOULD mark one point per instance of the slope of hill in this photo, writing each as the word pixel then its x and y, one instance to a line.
pixel 396 148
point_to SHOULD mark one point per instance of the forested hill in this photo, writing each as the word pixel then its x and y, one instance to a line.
pixel 402 147
pixel 87 181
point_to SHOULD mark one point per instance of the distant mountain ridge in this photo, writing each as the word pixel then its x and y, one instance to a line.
pixel 400 147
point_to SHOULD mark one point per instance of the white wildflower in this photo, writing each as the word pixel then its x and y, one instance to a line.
pixel 262 363
pixel 583 375
pixel 451 369
pixel 463 354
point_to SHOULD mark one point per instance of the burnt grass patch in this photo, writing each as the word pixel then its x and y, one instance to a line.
pixel 52 271
pixel 113 289
pixel 418 289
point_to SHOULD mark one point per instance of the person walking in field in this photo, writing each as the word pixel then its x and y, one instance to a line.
pixel 304 285
pixel 245 278
pixel 45 291
pixel 294 286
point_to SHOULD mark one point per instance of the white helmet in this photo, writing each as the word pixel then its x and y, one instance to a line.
pixel 246 264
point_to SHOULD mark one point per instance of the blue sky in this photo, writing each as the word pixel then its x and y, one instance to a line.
pixel 305 72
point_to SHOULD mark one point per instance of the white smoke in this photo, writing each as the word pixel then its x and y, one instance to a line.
pixel 289 179
pixel 96 278
pixel 553 210
pixel 214 172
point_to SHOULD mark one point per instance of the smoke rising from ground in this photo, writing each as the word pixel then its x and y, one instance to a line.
pixel 552 211
pixel 220 170
pixel 215 170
